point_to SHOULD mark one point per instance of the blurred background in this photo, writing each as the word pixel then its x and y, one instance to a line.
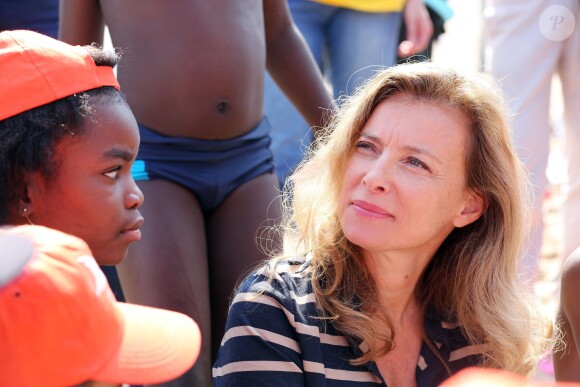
pixel 461 46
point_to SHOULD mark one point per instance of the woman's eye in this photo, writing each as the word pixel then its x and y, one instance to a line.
pixel 364 145
pixel 113 174
pixel 418 163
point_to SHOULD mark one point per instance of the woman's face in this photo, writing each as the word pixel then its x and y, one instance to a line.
pixel 93 195
pixel 404 184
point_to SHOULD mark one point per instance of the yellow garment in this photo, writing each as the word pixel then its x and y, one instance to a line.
pixel 367 5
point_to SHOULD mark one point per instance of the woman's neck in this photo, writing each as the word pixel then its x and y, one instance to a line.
pixel 396 280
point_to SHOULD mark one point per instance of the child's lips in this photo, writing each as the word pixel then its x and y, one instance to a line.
pixel 133 231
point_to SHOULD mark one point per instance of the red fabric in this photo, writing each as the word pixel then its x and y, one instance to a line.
pixel 60 324
pixel 36 69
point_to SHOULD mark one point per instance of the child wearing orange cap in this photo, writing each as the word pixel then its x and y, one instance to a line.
pixel 68 140
pixel 195 83
pixel 61 326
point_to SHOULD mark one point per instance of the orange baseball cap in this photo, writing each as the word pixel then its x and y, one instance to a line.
pixel 36 69
pixel 60 324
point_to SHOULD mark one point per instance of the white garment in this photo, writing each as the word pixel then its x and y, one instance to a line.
pixel 524 49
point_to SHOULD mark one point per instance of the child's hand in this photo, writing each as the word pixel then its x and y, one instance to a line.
pixel 419 28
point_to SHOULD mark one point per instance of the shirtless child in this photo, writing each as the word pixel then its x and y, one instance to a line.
pixel 194 74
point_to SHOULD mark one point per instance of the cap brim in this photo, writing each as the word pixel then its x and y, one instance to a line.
pixel 15 251
pixel 158 346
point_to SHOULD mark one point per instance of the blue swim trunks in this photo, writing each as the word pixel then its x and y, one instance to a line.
pixel 36 15
pixel 210 169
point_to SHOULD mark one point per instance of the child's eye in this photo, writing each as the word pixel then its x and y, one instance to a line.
pixel 114 173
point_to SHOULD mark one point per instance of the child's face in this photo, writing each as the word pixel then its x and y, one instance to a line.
pixel 93 195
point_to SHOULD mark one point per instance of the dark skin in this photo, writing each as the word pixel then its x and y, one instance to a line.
pixel 567 360
pixel 218 46
pixel 196 69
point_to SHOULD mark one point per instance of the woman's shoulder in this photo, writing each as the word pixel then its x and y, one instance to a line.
pixel 274 325
pixel 280 278
pixel 277 291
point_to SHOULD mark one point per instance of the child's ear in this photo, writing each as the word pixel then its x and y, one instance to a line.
pixel 472 210
pixel 31 194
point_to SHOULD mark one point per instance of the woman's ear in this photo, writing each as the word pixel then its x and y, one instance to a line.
pixel 472 210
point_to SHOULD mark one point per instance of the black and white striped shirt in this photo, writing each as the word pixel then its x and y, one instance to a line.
pixel 274 338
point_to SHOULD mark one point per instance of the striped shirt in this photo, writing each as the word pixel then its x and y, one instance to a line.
pixel 274 338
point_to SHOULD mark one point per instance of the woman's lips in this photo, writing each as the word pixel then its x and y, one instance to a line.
pixel 370 210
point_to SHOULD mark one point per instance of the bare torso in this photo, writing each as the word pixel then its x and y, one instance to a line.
pixel 191 68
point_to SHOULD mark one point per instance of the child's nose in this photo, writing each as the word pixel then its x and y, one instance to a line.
pixel 134 198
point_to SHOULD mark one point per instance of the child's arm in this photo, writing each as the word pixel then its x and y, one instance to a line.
pixel 81 22
pixel 419 28
pixel 292 66
pixel 567 361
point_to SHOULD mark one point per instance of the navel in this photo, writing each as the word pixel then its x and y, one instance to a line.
pixel 222 107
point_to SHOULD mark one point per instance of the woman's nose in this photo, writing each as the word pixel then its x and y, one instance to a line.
pixel 378 176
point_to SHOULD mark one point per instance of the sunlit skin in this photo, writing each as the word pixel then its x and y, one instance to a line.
pixel 93 195
pixel 404 186
pixel 195 68
pixel 403 193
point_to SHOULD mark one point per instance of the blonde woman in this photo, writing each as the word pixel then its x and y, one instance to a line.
pixel 400 247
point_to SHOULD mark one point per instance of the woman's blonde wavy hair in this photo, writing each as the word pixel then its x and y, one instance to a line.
pixel 472 279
